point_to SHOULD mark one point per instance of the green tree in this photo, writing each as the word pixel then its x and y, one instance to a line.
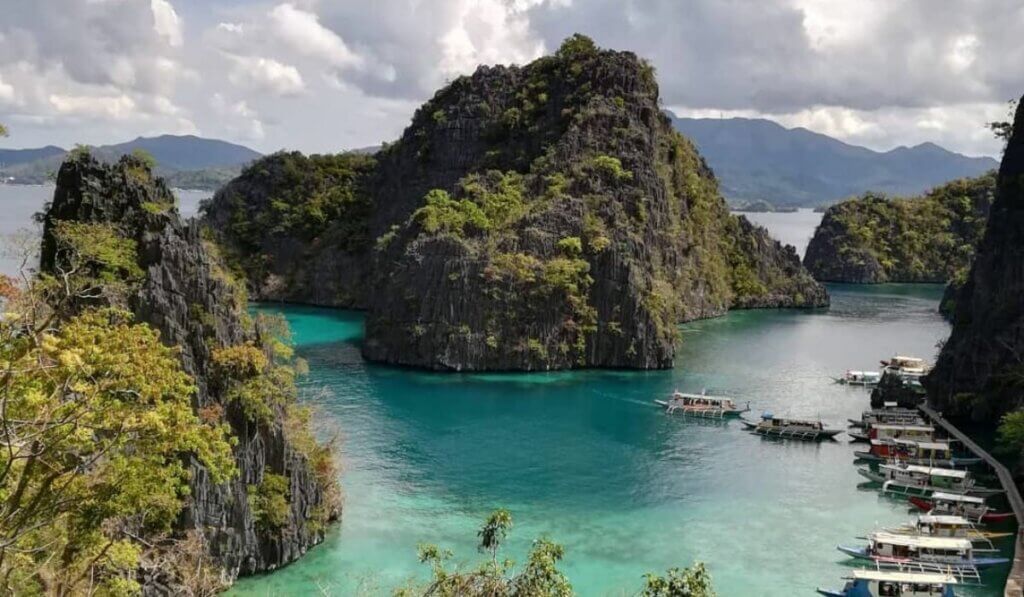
pixel 688 582
pixel 1011 432
pixel 96 420
pixel 3 130
pixel 539 577
pixel 145 157
pixel 1003 129
pixel 494 531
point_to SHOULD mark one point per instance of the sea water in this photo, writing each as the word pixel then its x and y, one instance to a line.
pixel 586 459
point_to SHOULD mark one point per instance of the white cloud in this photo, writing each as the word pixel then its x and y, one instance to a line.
pixel 166 22
pixel 239 118
pixel 316 74
pixel 303 32
pixel 6 92
pixel 115 107
pixel 257 72
pixel 486 32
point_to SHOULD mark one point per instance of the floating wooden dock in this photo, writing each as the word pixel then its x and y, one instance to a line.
pixel 1015 581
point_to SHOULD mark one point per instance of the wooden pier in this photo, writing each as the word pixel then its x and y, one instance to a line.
pixel 1015 581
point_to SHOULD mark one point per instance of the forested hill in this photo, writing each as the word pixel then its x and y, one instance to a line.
pixel 759 159
pixel 873 239
pixel 184 161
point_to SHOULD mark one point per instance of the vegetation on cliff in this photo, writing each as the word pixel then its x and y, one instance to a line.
pixel 548 216
pixel 132 411
pixel 535 217
pixel 874 239
pixel 539 577
pixel 283 208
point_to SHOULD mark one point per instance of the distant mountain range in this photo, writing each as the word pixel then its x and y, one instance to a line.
pixel 756 159
pixel 186 161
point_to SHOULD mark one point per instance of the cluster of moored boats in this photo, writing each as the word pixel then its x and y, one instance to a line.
pixel 721 407
pixel 904 455
pixel 908 369
pixel 947 544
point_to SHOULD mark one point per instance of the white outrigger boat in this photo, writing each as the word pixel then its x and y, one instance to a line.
pixel 925 480
pixel 860 378
pixel 803 429
pixel 921 433
pixel 947 525
pixel 902 583
pixel 970 507
pixel 909 451
pixel 702 405
pixel 949 551
pixel 890 414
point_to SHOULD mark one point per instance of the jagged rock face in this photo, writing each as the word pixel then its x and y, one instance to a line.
pixel 600 228
pixel 979 369
pixel 183 280
pixel 873 239
pixel 537 217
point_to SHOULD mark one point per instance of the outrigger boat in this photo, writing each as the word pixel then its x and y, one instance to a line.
pixel 909 369
pixel 947 525
pixel 921 433
pixel 970 507
pixel 914 452
pixel 804 429
pixel 952 551
pixel 889 415
pixel 883 583
pixel 860 378
pixel 702 405
pixel 925 480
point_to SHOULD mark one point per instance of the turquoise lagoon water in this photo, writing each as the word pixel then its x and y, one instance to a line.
pixel 584 458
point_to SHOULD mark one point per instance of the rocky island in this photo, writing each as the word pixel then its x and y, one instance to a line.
pixel 530 218
pixel 875 239
pixel 115 245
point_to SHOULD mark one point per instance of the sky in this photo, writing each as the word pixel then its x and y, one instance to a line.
pixel 328 75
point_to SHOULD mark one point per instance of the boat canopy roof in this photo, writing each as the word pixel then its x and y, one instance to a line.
pixel 946 519
pixel 701 397
pixel 905 360
pixel 940 496
pixel 922 445
pixel 905 577
pixel 937 472
pixel 912 443
pixel 896 427
pixel 925 541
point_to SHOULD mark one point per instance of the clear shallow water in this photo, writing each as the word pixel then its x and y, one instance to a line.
pixel 585 458
pixel 793 228
pixel 19 202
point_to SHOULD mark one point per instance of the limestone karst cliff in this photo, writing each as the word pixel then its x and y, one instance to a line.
pixel 536 217
pixel 186 294
pixel 980 370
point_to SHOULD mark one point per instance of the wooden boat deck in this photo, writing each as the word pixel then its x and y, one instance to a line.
pixel 1015 581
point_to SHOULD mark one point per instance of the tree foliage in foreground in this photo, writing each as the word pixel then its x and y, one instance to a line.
pixel 539 577
pixel 96 432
